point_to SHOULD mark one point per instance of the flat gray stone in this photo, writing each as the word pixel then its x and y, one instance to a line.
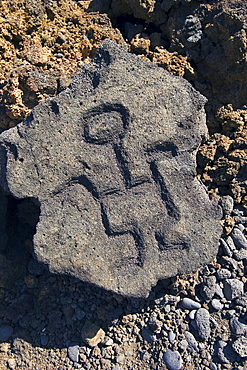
pixel 209 288
pixel 227 204
pixel 237 327
pixel 112 163
pixel 238 237
pixel 202 320
pixel 190 304
pixel 225 248
pixel 233 288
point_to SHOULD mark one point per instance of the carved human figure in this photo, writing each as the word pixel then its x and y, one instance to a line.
pixel 111 161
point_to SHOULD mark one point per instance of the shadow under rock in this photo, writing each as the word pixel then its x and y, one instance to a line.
pixel 49 310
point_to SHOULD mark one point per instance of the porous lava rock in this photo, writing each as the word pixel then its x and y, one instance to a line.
pixel 43 43
pixel 111 161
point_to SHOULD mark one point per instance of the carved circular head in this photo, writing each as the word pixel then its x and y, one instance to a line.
pixel 105 123
pixel 102 127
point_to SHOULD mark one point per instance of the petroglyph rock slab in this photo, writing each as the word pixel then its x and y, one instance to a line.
pixel 111 161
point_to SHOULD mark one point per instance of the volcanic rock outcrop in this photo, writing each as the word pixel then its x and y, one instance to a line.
pixel 112 163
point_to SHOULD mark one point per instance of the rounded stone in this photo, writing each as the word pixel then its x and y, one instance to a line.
pixel 190 304
pixel 202 320
pixel 238 237
pixel 173 360
pixel 216 304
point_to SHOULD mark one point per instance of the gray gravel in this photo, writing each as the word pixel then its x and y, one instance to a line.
pixel 199 322
pixel 233 288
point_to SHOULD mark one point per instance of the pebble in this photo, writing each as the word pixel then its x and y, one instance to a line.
pixel 190 304
pixel 173 360
pixel 241 227
pixel 233 288
pixel 169 298
pixel 145 356
pixel 192 314
pixel 223 274
pixel 229 263
pixel 226 353
pixel 11 363
pixel 213 323
pixel 219 291
pixel 237 327
pixel 191 341
pixel 192 30
pixel 230 243
pixel 171 336
pixel 183 345
pixel 227 204
pixel 240 346
pixel 240 254
pixel 216 304
pixel 73 352
pixel 225 248
pixel 92 334
pixel 208 288
pixel 202 320
pixel 212 366
pixel 120 358
pixel 108 341
pixel 230 313
pixel 241 301
pixel 238 237
pixel 148 335
pixel 5 332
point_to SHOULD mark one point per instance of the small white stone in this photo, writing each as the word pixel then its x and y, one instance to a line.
pixel 11 363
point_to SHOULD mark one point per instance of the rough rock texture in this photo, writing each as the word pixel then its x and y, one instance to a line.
pixel 111 161
pixel 44 43
pixel 211 37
